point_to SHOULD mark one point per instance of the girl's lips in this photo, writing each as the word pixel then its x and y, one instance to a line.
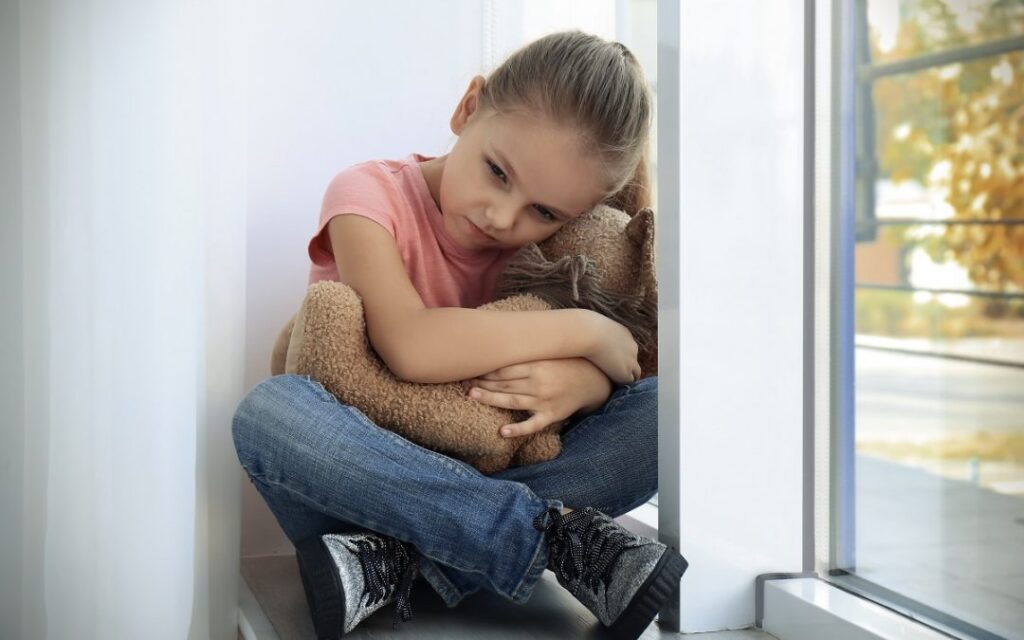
pixel 479 233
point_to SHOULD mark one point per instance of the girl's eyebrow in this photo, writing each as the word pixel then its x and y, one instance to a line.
pixel 512 174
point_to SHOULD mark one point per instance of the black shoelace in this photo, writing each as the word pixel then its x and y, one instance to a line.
pixel 582 544
pixel 386 561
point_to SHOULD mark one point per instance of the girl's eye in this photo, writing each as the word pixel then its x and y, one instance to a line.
pixel 545 214
pixel 496 171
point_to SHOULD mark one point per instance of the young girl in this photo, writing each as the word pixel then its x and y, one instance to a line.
pixel 559 127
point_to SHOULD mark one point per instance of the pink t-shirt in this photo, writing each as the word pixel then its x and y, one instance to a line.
pixel 395 195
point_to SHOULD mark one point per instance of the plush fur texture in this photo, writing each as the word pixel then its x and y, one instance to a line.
pixel 603 261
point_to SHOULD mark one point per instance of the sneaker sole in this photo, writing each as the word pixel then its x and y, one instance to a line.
pixel 323 588
pixel 651 596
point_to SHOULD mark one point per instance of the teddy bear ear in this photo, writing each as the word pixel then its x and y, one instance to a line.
pixel 639 225
pixel 640 231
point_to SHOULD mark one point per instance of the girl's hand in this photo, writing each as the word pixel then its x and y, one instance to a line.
pixel 615 350
pixel 551 390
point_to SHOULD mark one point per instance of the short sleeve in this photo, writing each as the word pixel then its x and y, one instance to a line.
pixel 364 189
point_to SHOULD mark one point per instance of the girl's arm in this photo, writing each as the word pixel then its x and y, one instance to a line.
pixel 448 344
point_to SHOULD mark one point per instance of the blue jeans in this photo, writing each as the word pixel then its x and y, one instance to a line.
pixel 324 467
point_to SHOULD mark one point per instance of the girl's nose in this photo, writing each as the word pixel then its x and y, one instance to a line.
pixel 501 216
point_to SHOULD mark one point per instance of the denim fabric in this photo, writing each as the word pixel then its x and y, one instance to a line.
pixel 323 466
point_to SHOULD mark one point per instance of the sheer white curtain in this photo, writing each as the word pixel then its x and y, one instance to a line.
pixel 122 178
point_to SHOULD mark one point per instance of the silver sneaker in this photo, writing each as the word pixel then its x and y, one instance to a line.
pixel 624 579
pixel 349 576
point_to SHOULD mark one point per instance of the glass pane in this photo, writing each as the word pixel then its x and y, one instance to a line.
pixel 900 29
pixel 938 395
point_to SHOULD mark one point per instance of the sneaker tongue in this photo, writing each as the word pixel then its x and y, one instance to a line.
pixel 403 607
pixel 584 544
pixel 377 568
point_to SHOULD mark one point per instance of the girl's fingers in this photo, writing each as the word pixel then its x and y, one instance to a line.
pixel 512 401
pixel 511 372
pixel 520 386
pixel 535 423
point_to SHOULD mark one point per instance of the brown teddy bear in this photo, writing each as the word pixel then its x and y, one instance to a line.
pixel 603 260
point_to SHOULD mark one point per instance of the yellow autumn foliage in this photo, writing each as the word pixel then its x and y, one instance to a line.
pixel 960 130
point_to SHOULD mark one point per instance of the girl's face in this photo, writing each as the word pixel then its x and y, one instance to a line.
pixel 512 180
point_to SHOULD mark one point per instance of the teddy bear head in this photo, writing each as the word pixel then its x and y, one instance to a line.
pixel 604 261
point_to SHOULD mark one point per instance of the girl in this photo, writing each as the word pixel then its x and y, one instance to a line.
pixel 559 127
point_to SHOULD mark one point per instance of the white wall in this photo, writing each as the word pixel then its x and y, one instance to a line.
pixel 332 84
pixel 740 252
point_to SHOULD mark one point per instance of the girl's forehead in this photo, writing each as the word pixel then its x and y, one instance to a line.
pixel 548 161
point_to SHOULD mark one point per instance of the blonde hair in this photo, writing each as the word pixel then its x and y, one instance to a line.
pixel 593 85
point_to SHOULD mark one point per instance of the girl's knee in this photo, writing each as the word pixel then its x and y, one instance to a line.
pixel 648 385
pixel 254 406
pixel 642 397
pixel 263 413
pixel 643 400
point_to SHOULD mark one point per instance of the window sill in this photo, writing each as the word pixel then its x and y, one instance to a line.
pixel 810 609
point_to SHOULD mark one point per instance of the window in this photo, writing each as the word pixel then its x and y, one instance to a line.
pixel 928 302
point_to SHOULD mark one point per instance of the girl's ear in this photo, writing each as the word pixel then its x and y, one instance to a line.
pixel 467 105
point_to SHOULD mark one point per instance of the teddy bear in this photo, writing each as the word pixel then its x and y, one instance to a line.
pixel 603 260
